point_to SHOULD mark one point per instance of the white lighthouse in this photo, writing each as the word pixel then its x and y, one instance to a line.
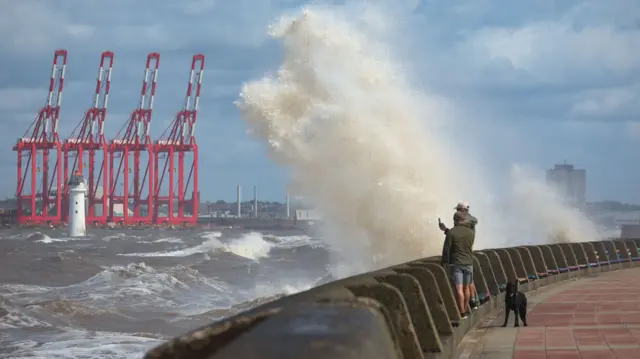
pixel 77 192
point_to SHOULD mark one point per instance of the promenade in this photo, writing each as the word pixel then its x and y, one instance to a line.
pixel 589 318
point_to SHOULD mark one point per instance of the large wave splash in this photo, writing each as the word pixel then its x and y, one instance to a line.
pixel 342 118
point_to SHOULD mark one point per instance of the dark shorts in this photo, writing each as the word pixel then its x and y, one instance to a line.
pixel 461 274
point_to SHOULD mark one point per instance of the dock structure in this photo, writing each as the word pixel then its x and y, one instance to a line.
pixel 131 179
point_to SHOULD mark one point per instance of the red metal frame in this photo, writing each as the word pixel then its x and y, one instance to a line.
pixel 134 141
pixel 40 139
pixel 87 139
pixel 179 140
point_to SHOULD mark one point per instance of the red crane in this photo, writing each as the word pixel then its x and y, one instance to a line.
pixel 135 141
pixel 179 140
pixel 88 138
pixel 38 201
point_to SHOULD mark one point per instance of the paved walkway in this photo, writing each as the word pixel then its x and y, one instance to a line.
pixel 590 318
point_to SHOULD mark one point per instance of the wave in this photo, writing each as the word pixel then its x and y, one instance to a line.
pixel 135 286
pixel 136 292
pixel 39 237
pixel 295 241
pixel 14 316
pixel 341 115
pixel 84 344
pixel 163 240
pixel 253 246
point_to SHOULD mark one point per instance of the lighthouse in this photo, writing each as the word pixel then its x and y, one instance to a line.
pixel 77 192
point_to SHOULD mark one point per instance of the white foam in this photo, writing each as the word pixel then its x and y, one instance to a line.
pixel 169 240
pixel 541 214
pixel 211 235
pixel 48 240
pixel 250 245
pixel 288 242
pixel 207 246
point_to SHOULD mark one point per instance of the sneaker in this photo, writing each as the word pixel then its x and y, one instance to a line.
pixel 464 315
pixel 474 306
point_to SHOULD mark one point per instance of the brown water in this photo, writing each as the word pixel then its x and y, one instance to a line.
pixel 118 293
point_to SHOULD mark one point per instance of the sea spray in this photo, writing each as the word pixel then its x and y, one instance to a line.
pixel 340 115
pixel 541 214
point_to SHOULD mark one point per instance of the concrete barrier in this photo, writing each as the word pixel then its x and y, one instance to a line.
pixel 537 258
pixel 491 279
pixel 500 273
pixel 405 311
pixel 633 249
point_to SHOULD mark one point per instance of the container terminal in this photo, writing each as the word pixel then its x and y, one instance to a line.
pixel 133 180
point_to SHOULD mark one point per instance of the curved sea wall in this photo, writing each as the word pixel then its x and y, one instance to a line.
pixel 407 311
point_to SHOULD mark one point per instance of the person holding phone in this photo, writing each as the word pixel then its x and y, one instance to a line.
pixel 457 256
pixel 471 222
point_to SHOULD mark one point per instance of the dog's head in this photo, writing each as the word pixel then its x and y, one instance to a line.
pixel 512 287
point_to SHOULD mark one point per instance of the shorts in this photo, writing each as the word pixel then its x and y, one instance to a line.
pixel 461 274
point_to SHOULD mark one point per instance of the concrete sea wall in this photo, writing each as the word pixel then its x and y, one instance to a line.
pixel 407 311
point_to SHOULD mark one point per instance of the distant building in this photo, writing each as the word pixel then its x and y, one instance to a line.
pixel 570 182
pixel 307 215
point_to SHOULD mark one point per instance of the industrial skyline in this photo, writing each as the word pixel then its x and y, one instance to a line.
pixel 126 181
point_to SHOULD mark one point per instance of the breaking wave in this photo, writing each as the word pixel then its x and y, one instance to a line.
pixel 253 246
pixel 340 114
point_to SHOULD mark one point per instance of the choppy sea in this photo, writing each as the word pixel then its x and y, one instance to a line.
pixel 117 294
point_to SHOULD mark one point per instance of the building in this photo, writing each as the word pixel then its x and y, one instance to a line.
pixel 570 182
pixel 307 215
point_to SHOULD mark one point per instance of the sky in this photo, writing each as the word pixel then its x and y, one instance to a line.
pixel 538 81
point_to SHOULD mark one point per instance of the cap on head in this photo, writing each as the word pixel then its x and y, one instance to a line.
pixel 461 206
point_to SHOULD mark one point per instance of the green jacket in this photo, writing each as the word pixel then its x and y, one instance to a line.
pixel 458 246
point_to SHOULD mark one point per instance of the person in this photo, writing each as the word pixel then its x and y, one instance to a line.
pixel 457 255
pixel 471 222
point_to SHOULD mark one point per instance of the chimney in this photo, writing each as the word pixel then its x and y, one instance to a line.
pixel 255 201
pixel 288 206
pixel 239 199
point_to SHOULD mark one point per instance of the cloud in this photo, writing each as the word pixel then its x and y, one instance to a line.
pixel 608 103
pixel 21 99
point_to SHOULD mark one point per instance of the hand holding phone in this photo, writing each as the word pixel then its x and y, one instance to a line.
pixel 441 225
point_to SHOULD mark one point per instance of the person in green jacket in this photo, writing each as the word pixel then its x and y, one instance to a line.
pixel 471 222
pixel 457 255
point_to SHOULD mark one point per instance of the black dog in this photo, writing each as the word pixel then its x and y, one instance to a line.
pixel 515 300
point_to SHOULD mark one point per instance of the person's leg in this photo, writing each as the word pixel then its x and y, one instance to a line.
pixel 466 282
pixel 474 294
pixel 457 278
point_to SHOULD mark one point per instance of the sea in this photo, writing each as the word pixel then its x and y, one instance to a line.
pixel 117 293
